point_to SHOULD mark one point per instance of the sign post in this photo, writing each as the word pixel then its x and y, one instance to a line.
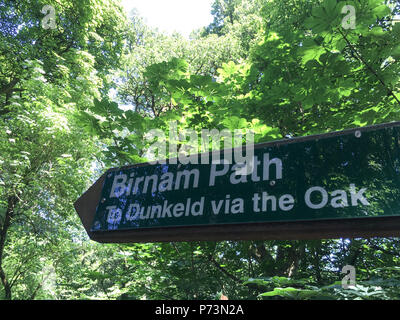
pixel 340 184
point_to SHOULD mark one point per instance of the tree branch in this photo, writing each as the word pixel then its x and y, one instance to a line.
pixel 360 58
pixel 229 275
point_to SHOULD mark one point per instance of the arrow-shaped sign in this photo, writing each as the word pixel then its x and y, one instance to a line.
pixel 341 184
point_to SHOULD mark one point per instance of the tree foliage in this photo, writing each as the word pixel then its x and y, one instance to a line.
pixel 79 98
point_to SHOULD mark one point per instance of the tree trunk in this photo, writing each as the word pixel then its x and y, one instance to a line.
pixel 317 261
pixel 296 254
pixel 11 203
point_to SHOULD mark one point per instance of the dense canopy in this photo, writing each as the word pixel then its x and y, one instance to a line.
pixel 82 82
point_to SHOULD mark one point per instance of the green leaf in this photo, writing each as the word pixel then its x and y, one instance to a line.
pixel 381 11
pixel 234 122
pixel 294 293
pixel 396 52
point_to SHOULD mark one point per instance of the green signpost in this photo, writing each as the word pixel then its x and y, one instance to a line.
pixel 338 184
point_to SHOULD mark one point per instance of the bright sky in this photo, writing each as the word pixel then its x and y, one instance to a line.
pixel 183 16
